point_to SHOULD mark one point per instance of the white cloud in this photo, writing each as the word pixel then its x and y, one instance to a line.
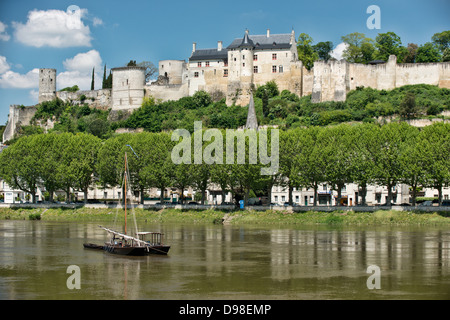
pixel 84 62
pixel 97 21
pixel 79 71
pixel 3 35
pixel 54 28
pixel 11 79
pixel 339 50
pixel 34 95
pixel 4 66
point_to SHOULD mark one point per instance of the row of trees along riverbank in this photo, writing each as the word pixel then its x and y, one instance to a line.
pixel 361 153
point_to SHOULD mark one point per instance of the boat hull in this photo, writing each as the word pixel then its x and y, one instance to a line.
pixel 158 249
pixel 136 251
pixel 125 250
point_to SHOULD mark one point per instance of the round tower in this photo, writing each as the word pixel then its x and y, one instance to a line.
pixel 47 85
pixel 127 87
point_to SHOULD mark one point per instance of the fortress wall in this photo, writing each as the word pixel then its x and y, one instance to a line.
pixel 100 99
pixel 415 73
pixel 386 74
pixel 166 93
pixel 333 79
pixel 307 81
pixel 18 116
pixel 362 75
pixel 330 81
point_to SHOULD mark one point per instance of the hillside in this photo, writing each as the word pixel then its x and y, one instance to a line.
pixel 284 109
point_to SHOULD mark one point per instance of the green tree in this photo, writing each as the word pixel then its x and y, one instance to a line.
pixel 446 55
pixel 290 147
pixel 389 44
pixel 390 145
pixel 323 50
pixel 428 52
pixel 19 165
pixel 412 52
pixel 92 81
pixel 360 48
pixel 48 154
pixel 362 165
pixel 442 40
pixel 159 169
pixel 413 164
pixel 309 161
pixel 408 108
pixel 336 149
pixel 306 52
pixel 434 147
pixel 265 93
pixel 82 166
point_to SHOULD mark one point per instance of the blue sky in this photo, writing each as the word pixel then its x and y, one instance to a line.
pixel 34 34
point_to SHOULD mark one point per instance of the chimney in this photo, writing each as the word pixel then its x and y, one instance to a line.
pixel 268 33
pixel 219 46
pixel 194 47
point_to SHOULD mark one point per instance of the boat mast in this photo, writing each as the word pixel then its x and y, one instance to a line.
pixel 125 192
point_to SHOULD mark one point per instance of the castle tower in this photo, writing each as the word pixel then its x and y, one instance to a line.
pixel 127 87
pixel 241 70
pixel 47 85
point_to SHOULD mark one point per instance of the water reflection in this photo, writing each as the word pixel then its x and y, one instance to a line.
pixel 226 262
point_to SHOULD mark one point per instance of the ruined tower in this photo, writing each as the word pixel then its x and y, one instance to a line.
pixel 127 88
pixel 47 85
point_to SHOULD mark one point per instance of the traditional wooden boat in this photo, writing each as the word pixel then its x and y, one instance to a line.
pixel 127 245
pixel 121 243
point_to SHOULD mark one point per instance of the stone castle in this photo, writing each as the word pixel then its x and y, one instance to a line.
pixel 233 72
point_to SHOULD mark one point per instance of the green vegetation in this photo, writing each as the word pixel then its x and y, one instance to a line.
pixel 71 89
pixel 72 118
pixel 361 49
pixel 269 217
pixel 287 110
pixel 308 157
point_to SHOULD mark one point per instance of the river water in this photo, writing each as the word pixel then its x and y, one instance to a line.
pixel 227 262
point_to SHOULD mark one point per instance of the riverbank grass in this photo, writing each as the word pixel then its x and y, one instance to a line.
pixel 251 217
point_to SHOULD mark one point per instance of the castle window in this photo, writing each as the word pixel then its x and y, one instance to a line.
pixel 255 69
pixel 274 56
pixel 255 57
pixel 280 69
pixel 274 69
pixel 195 74
pixel 199 64
pixel 243 64
pixel 225 73
pixel 225 63
pixel 207 63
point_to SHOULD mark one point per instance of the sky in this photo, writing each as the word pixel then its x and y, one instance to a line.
pixel 76 36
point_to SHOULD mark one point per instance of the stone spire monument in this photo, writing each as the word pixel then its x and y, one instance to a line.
pixel 252 122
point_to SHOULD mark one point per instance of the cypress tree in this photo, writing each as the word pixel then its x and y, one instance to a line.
pixel 104 78
pixel 92 82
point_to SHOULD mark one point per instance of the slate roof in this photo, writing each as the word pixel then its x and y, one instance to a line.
pixel 274 41
pixel 209 54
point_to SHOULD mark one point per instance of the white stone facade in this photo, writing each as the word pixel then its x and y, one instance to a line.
pixel 128 87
